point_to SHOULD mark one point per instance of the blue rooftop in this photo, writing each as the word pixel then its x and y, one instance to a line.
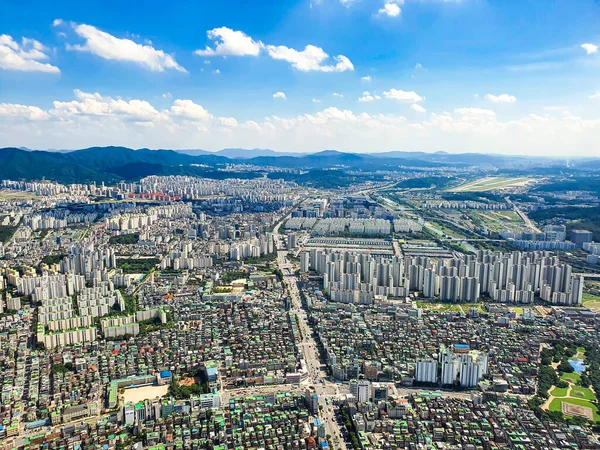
pixel 165 374
pixel 461 345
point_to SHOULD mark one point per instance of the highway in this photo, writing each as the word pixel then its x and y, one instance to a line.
pixel 523 216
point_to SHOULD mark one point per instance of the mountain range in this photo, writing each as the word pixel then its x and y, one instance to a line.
pixel 112 164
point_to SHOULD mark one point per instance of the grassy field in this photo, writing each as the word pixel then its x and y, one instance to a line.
pixel 572 377
pixel 591 301
pixel 581 392
pixel 491 184
pixel 442 307
pixel 447 231
pixel 450 307
pixel 555 405
pixel 507 215
pixel 6 194
pixel 559 392
pixel 576 395
pixel 497 220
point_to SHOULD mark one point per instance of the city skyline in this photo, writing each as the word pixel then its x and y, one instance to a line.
pixel 355 76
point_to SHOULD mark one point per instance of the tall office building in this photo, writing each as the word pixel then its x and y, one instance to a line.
pixel 361 390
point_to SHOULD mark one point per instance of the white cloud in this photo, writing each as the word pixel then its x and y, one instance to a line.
pixel 337 95
pixel 312 58
pixel 230 43
pixel 418 66
pixel 280 95
pixel 590 48
pixel 418 108
pixel 109 47
pixel 366 79
pixel 403 96
pixel 93 119
pixel 57 22
pixel 390 9
pixel 368 97
pixel 502 98
pixel 216 71
pixel 88 104
pixel 316 100
pixel 11 110
pixel 347 3
pixel 166 95
pixel 595 95
pixel 24 57
pixel 228 122
pixel 188 110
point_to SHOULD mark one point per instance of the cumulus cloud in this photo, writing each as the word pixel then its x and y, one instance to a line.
pixel 368 97
pixel 502 98
pixel 228 122
pixel 11 110
pixel 229 42
pixel 57 22
pixel 25 57
pixel 590 48
pixel 337 95
pixel 187 109
pixel 312 58
pixel 316 100
pixel 391 8
pixel 366 79
pixel 418 108
pixel 94 104
pixel 595 95
pixel 280 95
pixel 94 119
pixel 110 47
pixel 403 96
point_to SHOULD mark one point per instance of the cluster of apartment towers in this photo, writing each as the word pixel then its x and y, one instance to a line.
pixel 517 277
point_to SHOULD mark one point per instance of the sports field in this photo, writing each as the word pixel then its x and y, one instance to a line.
pixel 591 301
pixel 492 184
pixel 586 409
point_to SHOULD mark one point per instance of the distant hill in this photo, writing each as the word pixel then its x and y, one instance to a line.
pixel 240 153
pixel 110 164
pixel 19 164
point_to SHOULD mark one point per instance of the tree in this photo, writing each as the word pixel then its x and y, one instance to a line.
pixel 565 367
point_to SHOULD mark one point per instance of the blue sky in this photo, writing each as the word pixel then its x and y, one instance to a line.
pixel 364 75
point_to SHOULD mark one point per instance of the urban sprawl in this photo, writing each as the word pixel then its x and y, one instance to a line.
pixel 179 312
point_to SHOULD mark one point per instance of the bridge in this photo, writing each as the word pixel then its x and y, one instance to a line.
pixel 589 276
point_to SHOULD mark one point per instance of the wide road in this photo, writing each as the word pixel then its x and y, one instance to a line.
pixel 316 381
pixel 523 216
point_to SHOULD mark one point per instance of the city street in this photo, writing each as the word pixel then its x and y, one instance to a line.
pixel 316 370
